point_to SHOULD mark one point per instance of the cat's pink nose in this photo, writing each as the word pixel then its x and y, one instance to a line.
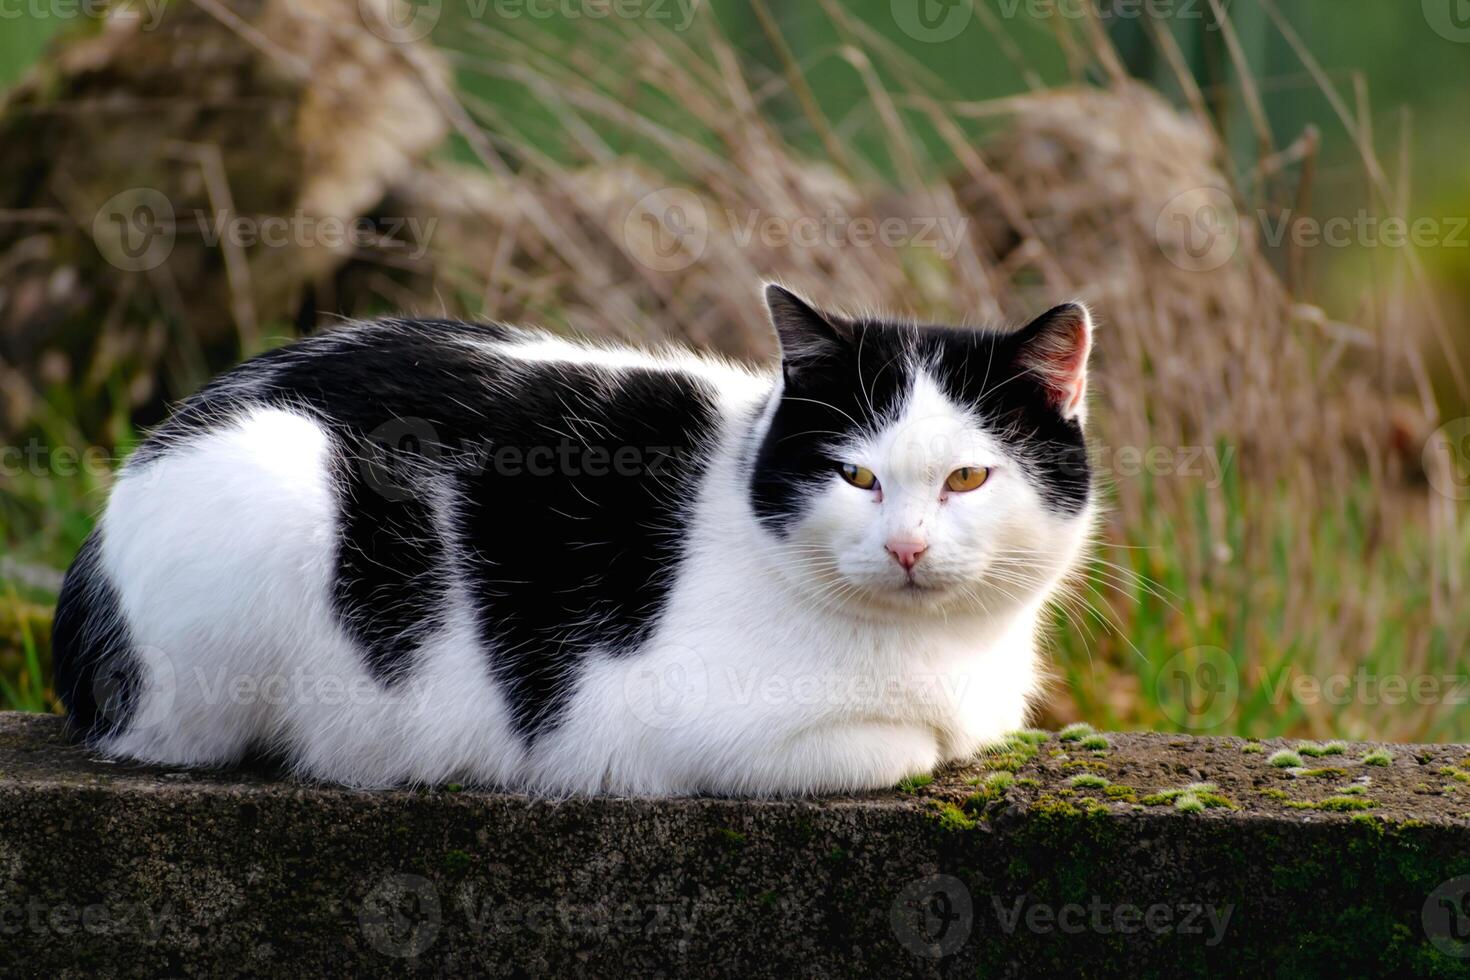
pixel 906 553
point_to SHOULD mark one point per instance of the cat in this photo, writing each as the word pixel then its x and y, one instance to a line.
pixel 413 552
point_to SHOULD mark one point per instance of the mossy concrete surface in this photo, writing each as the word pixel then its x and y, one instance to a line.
pixel 118 870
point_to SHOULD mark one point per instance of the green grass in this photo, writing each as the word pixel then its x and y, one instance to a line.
pixel 48 503
pixel 25 689
pixel 1237 647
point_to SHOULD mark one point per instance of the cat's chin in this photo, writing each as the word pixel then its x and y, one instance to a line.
pixel 908 597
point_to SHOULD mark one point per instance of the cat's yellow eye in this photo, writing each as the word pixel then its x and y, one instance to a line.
pixel 967 478
pixel 859 476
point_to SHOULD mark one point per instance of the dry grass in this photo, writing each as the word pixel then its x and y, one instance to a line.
pixel 1315 548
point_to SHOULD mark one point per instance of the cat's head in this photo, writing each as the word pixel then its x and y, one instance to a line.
pixel 926 467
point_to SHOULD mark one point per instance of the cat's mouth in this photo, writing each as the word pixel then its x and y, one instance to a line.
pixel 910 592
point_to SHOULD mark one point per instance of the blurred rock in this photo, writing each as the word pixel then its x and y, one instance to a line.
pixel 167 189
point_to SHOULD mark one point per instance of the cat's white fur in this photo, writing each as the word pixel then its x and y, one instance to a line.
pixel 778 667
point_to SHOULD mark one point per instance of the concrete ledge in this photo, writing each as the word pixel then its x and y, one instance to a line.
pixel 112 870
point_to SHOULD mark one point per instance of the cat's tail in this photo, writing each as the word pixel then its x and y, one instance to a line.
pixel 96 672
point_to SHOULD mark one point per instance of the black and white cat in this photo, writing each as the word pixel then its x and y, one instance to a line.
pixel 423 551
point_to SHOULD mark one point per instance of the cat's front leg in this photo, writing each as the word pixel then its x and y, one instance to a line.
pixel 844 756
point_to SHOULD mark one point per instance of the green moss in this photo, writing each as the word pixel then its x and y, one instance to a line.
pixel 1008 761
pixel 952 817
pixel 1095 743
pixel 1052 806
pixel 1189 803
pixel 1378 757
pixel 732 838
pixel 1328 772
pixel 1285 759
pixel 457 862
pixel 1087 780
pixel 1207 795
pixel 992 787
pixel 1456 774
pixel 1337 804
pixel 1017 749
pixel 1076 732
pixel 1124 794
pixel 1028 782
pixel 1213 800
pixel 912 784
pixel 1315 750
pixel 1028 736
pixel 1252 748
pixel 453 788
pixel 1273 793
pixel 1352 790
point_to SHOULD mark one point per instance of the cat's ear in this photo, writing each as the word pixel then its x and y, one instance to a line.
pixel 1054 349
pixel 807 335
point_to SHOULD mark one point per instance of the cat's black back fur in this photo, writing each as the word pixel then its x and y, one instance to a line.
pixel 560 494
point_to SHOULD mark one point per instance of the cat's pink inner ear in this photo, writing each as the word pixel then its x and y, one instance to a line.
pixel 1055 347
